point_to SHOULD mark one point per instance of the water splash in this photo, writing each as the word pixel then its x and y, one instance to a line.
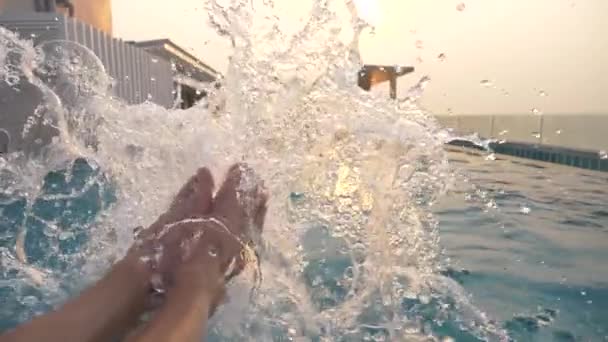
pixel 485 83
pixel 351 249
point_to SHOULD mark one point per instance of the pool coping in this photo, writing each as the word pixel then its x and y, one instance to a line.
pixel 583 159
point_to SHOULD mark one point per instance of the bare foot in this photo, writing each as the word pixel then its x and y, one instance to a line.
pixel 197 226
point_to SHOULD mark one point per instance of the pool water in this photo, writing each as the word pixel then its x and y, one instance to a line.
pixel 527 241
pixel 530 244
pixel 57 231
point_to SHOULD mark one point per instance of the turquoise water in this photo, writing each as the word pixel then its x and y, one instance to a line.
pixel 71 214
pixel 536 262
pixel 527 240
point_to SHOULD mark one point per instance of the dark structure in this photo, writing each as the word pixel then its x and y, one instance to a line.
pixel 5 140
pixel 371 75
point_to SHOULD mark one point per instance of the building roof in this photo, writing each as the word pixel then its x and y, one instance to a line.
pixel 185 62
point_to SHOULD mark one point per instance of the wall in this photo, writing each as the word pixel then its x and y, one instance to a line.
pixel 97 13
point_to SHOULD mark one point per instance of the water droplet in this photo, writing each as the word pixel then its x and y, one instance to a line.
pixel 536 111
pixel 419 44
pixel 502 141
pixel 503 132
pixel 153 79
pixel 56 18
pixel 127 77
pixel 536 135
pixel 486 83
pixel 603 155
pixel 149 97
pixel 29 300
pixel 461 7
pixel 441 57
pixel 64 235
pixel 213 251
pixel 558 132
pixel 542 93
pixel 524 210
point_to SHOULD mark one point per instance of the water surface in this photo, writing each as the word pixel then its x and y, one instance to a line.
pixel 530 245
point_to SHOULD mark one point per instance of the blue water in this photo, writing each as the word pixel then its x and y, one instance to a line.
pixel 543 272
pixel 72 215
pixel 533 258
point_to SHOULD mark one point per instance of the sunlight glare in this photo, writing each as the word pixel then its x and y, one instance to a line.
pixel 369 10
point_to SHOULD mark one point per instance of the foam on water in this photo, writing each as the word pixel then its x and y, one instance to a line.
pixel 352 251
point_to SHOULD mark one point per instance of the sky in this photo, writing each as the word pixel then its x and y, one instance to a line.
pixel 497 56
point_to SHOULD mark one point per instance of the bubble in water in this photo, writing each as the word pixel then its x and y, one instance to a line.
pixel 461 7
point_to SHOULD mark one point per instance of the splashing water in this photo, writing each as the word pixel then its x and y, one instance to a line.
pixel 351 251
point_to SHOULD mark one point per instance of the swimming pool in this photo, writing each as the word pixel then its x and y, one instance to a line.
pixel 529 244
pixel 353 248
pixel 525 239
